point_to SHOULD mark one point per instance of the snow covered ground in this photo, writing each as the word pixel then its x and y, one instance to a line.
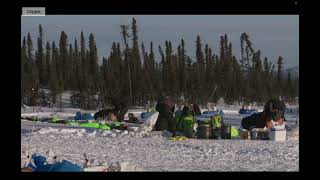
pixel 157 153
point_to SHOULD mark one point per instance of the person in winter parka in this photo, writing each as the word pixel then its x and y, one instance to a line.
pixel 273 110
pixel 165 120
pixel 185 122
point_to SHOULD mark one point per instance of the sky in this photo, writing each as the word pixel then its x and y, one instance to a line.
pixel 273 35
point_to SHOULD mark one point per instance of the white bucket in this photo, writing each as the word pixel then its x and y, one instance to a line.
pixel 278 135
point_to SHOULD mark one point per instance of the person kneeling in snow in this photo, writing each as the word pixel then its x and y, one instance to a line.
pixel 273 110
pixel 185 123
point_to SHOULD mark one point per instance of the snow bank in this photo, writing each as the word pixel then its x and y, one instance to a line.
pixel 157 153
pixel 154 152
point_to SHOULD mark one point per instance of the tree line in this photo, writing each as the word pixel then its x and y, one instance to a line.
pixel 132 71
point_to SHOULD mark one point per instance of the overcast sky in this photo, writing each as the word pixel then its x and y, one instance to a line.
pixel 274 35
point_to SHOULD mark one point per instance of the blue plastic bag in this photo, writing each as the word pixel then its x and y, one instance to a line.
pixel 38 159
pixel 66 166
pixel 63 166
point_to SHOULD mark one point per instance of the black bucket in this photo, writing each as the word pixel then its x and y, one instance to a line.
pixel 225 132
pixel 204 132
pixel 216 133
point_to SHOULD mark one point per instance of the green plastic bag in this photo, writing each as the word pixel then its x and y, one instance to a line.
pixel 234 132
pixel 73 123
pixel 216 121
pixel 105 127
pixel 92 125
pixel 54 119
pixel 116 124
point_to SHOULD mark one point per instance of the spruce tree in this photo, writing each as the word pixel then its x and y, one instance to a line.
pixel 41 63
pixel 226 70
pixel 24 70
pixel 163 69
pixel 174 73
pixel 127 65
pixel 93 64
pixel 170 79
pixel 201 71
pixel 267 79
pixel 135 62
pixel 236 79
pixel 222 48
pixel 152 71
pixel 182 67
pixel 77 66
pixel 121 69
pixel 145 68
pixel 258 80
pixel 279 75
pixel 296 87
pixel 35 84
pixel 71 80
pixel 190 86
pixel 83 63
pixel 179 73
pixel 29 48
pixel 207 66
pixel 289 87
pixel 29 65
pixel 33 81
pixel 114 69
pixel 148 68
pixel 266 66
pixel 63 63
pixel 53 77
pixel 211 74
pixel 48 61
pixel 151 58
